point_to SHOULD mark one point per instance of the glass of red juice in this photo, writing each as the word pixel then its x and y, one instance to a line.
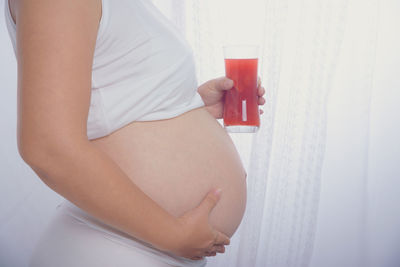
pixel 241 111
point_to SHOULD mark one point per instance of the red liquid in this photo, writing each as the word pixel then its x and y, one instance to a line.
pixel 241 102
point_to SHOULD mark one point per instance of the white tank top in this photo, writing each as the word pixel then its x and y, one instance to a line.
pixel 143 68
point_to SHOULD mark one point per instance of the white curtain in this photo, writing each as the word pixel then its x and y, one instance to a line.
pixel 323 171
pixel 310 199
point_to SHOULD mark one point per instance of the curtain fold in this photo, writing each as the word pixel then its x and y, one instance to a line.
pixel 291 172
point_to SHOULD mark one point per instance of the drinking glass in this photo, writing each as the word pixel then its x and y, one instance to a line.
pixel 241 111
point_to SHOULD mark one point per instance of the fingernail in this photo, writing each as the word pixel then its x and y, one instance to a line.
pixel 218 192
pixel 228 84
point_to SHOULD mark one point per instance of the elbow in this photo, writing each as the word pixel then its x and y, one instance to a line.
pixel 43 156
pixel 35 151
pixel 37 157
pixel 50 160
pixel 30 153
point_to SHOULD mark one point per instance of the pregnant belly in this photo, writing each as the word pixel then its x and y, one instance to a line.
pixel 177 161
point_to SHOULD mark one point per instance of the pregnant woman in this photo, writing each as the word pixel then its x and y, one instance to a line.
pixel 110 117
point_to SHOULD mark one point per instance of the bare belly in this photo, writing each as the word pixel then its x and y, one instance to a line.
pixel 177 161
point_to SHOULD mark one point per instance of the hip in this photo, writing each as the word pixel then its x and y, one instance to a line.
pixel 75 238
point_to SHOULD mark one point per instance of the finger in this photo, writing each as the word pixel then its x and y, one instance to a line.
pixel 261 91
pixel 261 100
pixel 210 254
pixel 221 239
pixel 258 81
pixel 261 111
pixel 219 248
pixel 210 200
pixel 217 85
pixel 222 83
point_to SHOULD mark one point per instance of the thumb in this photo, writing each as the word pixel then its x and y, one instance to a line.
pixel 223 83
pixel 210 200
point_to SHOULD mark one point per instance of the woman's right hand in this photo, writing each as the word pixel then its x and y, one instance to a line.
pixel 196 237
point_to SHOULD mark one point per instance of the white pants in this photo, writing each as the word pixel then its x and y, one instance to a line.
pixel 75 239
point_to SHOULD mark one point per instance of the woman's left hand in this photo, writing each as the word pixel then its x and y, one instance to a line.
pixel 213 94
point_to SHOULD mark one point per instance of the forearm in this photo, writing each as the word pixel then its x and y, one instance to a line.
pixel 90 179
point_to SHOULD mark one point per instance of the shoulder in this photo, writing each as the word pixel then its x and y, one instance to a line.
pixel 94 7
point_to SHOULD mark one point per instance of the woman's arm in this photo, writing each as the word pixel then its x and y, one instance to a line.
pixel 56 41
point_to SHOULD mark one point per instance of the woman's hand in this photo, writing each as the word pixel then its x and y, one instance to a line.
pixel 196 237
pixel 212 92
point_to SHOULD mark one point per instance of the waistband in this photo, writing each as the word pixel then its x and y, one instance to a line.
pixel 126 239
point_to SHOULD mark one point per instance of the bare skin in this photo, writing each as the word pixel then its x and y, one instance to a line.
pixel 172 204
